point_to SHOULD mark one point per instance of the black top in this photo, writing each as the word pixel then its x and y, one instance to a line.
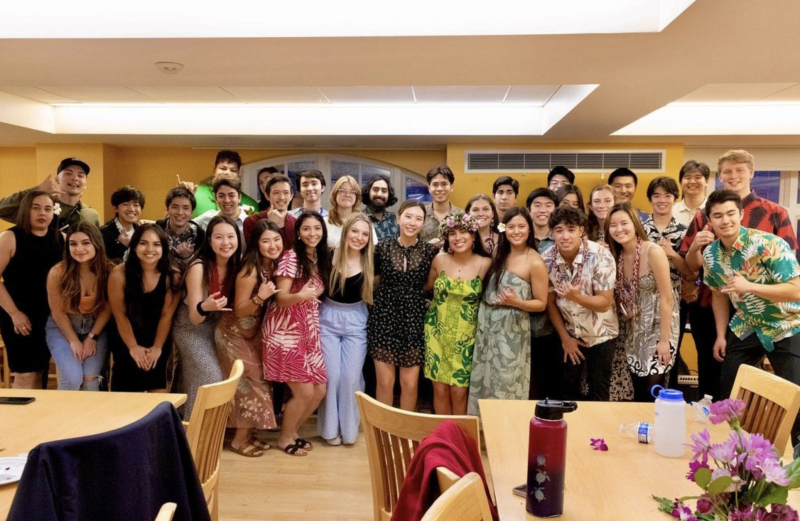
pixel 115 250
pixel 352 290
pixel 25 277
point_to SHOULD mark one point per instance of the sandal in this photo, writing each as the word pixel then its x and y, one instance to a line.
pixel 304 444
pixel 261 445
pixel 292 449
pixel 254 451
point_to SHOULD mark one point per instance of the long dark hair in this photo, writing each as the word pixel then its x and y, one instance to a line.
pixel 492 205
pixel 571 189
pixel 500 261
pixel 252 257
pixel 70 282
pixel 134 280
pixel 323 266
pixel 614 246
pixel 207 256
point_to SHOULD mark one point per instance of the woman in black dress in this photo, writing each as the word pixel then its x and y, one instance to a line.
pixel 27 252
pixel 395 335
pixel 143 304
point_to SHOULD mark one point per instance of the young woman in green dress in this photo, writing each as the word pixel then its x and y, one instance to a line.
pixel 456 278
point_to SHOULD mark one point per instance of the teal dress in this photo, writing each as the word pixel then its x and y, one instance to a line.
pixel 450 326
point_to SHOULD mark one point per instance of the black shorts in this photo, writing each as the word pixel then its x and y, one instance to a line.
pixel 26 354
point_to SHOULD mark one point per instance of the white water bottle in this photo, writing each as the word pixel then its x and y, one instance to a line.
pixel 670 424
pixel 641 431
pixel 702 409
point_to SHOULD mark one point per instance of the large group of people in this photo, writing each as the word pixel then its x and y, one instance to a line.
pixel 562 298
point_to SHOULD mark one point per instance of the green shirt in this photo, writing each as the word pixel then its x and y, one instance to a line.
pixel 206 200
pixel 67 216
pixel 430 228
pixel 762 258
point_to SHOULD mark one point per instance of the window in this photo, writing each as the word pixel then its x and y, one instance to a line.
pixel 766 184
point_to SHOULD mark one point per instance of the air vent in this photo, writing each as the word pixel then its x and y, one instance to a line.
pixel 479 162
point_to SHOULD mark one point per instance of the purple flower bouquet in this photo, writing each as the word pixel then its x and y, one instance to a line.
pixel 747 481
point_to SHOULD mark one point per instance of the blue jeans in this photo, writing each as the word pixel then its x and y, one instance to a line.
pixel 74 375
pixel 343 335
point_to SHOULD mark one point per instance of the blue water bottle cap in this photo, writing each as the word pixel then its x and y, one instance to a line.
pixel 666 394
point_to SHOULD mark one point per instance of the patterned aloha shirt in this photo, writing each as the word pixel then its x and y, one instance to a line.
pixel 674 233
pixel 430 229
pixel 762 258
pixel 386 228
pixel 599 274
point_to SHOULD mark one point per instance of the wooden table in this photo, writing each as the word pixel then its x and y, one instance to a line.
pixel 617 484
pixel 57 415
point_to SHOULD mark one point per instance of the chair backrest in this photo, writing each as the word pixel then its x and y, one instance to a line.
pixel 167 512
pixel 206 431
pixel 392 437
pixel 464 501
pixel 771 404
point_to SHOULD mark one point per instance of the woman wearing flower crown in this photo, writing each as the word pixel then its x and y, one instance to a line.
pixel 456 278
pixel 647 305
pixel 516 285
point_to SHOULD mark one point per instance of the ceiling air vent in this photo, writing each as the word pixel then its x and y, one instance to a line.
pixel 480 162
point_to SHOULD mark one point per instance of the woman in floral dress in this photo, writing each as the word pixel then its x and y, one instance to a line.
pixel 238 337
pixel 456 277
pixel 516 285
pixel 292 351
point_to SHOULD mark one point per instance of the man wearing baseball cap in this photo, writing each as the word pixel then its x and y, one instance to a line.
pixel 67 188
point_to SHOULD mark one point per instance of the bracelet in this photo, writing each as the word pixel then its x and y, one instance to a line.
pixel 258 301
pixel 203 312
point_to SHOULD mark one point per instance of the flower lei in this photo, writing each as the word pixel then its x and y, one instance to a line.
pixel 626 293
pixel 461 221
pixel 561 278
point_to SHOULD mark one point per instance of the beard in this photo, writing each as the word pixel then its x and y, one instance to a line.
pixel 378 203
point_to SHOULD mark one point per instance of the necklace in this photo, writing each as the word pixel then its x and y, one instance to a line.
pixel 561 277
pixel 627 289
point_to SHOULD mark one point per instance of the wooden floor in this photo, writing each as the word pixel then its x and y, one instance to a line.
pixel 331 483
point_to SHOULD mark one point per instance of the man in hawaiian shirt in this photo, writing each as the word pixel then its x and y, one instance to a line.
pixel 440 185
pixel 581 303
pixel 378 195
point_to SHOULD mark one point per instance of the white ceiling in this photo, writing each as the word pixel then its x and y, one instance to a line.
pixel 743 93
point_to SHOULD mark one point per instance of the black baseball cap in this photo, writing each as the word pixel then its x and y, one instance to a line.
pixel 73 161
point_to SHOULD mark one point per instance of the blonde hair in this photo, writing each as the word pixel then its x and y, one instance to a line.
pixel 333 214
pixel 741 157
pixel 340 257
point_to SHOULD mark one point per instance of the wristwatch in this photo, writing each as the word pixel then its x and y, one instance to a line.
pixel 91 336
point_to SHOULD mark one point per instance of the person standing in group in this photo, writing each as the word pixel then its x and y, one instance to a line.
pixel 345 200
pixel 581 304
pixel 440 185
pixel 693 178
pixel 128 203
pixel 647 302
pixel 505 190
pixel 570 195
pixel 279 191
pixel 209 284
pixel 395 332
pixel 343 329
pixel 456 278
pixel 184 236
pixel 263 195
pixel 601 199
pixel 27 252
pixel 228 191
pixel 238 337
pixel 736 171
pixel 291 335
pixel 624 182
pixel 516 285
pixel 142 301
pixel 311 185
pixel 70 183
pixel 559 176
pixel 378 195
pixel 482 208
pixel 79 310
pixel 228 163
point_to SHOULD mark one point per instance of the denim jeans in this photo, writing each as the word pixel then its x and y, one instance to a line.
pixel 74 375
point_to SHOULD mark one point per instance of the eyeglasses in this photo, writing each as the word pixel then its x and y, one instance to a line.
pixel 343 191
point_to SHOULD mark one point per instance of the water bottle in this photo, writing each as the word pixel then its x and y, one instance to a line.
pixel 670 424
pixel 547 458
pixel 641 431
pixel 702 409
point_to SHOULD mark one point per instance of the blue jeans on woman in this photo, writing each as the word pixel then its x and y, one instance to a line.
pixel 74 375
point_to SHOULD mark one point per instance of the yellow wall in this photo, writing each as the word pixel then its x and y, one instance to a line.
pixel 17 172
pixel 468 185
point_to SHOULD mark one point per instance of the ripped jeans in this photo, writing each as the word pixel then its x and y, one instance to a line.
pixel 74 375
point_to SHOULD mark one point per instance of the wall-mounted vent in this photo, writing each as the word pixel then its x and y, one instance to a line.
pixel 480 162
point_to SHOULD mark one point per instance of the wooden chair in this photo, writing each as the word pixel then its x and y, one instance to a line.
pixel 771 404
pixel 5 373
pixel 206 432
pixel 464 501
pixel 392 437
pixel 166 512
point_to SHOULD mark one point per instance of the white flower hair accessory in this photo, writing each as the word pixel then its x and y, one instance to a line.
pixel 501 227
pixel 57 209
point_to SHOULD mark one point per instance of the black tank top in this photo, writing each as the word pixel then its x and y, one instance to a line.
pixel 152 305
pixel 25 277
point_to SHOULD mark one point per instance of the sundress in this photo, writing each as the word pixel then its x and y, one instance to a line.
pixel 450 326
pixel 501 363
pixel 643 331
pixel 292 351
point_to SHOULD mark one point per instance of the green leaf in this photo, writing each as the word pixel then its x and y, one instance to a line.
pixel 773 494
pixel 702 477
pixel 706 517
pixel 719 485
pixel 793 471
pixel 664 504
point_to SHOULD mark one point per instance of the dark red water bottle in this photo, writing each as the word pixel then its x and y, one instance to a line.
pixel 547 458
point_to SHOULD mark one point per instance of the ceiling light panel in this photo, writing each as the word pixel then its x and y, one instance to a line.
pixel 368 94
pixel 734 92
pixel 187 94
pixel 277 94
pixel 461 94
pixel 318 18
